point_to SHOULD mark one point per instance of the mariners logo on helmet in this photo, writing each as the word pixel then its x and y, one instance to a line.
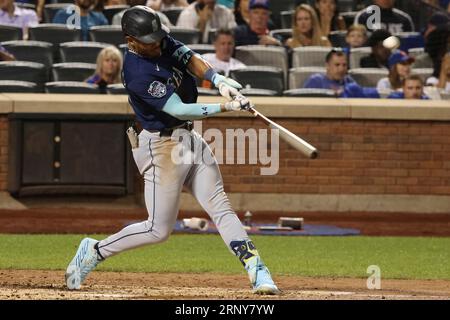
pixel 157 89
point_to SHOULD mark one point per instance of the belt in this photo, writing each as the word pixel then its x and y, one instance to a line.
pixel 167 132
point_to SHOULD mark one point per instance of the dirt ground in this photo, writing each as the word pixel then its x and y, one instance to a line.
pixel 39 284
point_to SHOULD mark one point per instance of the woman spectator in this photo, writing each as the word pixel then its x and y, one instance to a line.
pixel 109 67
pixel 329 17
pixel 306 29
pixel 399 64
pixel 241 12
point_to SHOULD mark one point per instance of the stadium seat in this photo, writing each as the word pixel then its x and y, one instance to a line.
pixel 72 71
pixel 18 86
pixel 349 17
pixel 286 19
pixel 51 9
pixel 23 5
pixel 35 51
pixel 337 38
pixel 258 55
pixel 107 34
pixel 415 52
pixel 187 36
pixel 258 92
pixel 423 61
pixel 54 33
pixel 410 40
pixel 110 11
pixel 71 87
pixel 202 48
pixel 24 71
pixel 445 95
pixel 424 73
pixel 207 92
pixel 116 88
pixel 368 77
pixel 123 47
pixel 173 14
pixel 346 5
pixel 260 77
pixel 310 93
pixel 298 76
pixel 9 33
pixel 211 36
pixel 309 56
pixel 81 51
pixel 284 34
pixel 356 55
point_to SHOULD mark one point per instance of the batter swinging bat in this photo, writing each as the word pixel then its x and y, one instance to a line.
pixel 296 142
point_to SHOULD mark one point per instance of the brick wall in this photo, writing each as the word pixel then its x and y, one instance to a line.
pixel 3 151
pixel 356 157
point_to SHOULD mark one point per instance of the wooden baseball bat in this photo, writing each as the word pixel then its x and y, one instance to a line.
pixel 293 140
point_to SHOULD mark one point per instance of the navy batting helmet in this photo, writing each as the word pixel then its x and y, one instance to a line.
pixel 143 24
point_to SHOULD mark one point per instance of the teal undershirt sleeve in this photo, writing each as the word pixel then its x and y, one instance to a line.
pixel 189 111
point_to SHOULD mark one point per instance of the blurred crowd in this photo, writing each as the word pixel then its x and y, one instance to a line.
pixel 394 48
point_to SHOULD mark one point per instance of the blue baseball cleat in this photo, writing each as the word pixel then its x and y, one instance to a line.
pixel 260 277
pixel 85 260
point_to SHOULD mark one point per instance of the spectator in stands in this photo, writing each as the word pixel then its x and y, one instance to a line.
pixel 205 15
pixel 399 64
pixel 118 16
pixel 12 15
pixel 221 60
pixel 241 12
pixel 391 19
pixel 436 43
pixel 257 30
pixel 88 17
pixel 159 5
pixel 329 17
pixel 39 5
pixel 412 89
pixel 5 55
pixel 306 29
pixel 336 77
pixel 443 82
pixel 380 55
pixel 109 67
pixel 356 36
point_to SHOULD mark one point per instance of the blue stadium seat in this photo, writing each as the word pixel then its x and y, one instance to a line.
pixel 81 51
pixel 107 34
pixel 24 71
pixel 260 77
pixel 9 33
pixel 15 86
pixel 35 51
pixel 73 87
pixel 72 71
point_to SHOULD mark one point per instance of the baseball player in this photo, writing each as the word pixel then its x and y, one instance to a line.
pixel 157 74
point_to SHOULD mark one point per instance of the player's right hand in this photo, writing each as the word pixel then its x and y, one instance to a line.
pixel 228 88
pixel 239 103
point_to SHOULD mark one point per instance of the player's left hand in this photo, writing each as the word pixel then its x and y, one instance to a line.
pixel 228 88
pixel 239 103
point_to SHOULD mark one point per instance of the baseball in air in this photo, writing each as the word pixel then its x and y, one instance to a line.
pixel 391 43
